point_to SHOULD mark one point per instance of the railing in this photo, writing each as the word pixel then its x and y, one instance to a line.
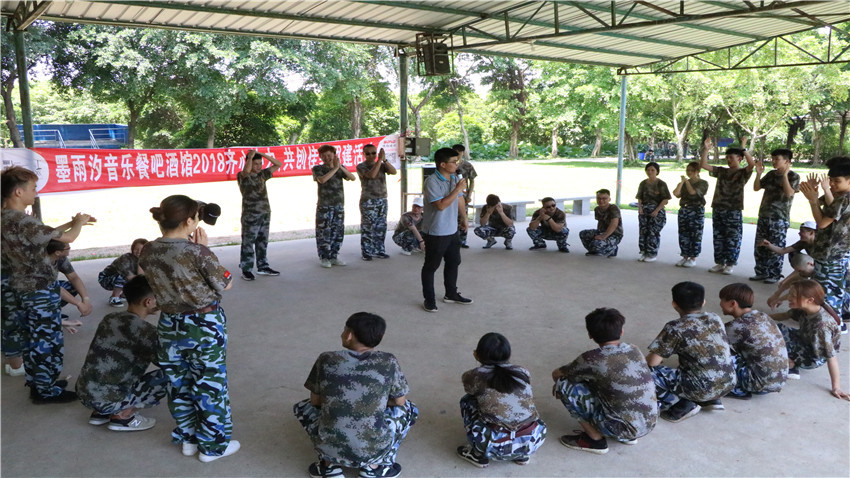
pixel 45 136
pixel 112 136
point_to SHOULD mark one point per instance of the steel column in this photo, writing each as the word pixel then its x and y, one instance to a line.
pixel 403 120
pixel 622 142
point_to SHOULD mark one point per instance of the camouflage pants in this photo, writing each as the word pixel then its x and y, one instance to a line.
pixel 585 407
pixel 398 421
pixel 691 222
pixel 831 275
pixel 71 290
pixel 728 228
pixel 255 238
pixel 769 264
pixel 110 281
pixel 149 390
pixel 541 234
pixel 192 354
pixel 667 386
pixel 373 226
pixel 497 442
pixel 799 351
pixel 406 240
pixel 13 328
pixel 603 247
pixel 746 382
pixel 487 232
pixel 649 229
pixel 330 230
pixel 45 343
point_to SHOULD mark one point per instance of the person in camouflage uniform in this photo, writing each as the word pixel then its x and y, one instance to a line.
pixel 12 328
pixel 652 196
pixel 831 212
pixel 122 269
pixel 609 390
pixel 358 412
pixel 187 280
pixel 548 223
pixel 605 239
pixel 779 186
pixel 73 286
pixel 727 221
pixel 497 220
pixel 113 382
pixel 498 409
pixel 817 340
pixel 465 169
pixel 706 371
pixel 407 234
pixel 691 193
pixel 32 277
pixel 256 213
pixel 373 173
pixel 758 349
pixel 330 209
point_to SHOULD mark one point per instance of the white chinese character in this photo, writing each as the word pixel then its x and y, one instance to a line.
pixel 288 159
pixel 63 171
pixel 172 165
pixel 143 166
pixel 301 158
pixel 78 161
pixel 127 167
pixel 313 158
pixel 345 155
pixel 186 164
pixel 156 163
pixel 232 164
pixel 111 165
pixel 95 167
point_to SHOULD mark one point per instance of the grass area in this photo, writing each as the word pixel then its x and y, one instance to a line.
pixel 583 164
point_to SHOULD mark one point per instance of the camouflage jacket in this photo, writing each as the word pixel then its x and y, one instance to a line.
pixel 506 410
pixel 184 276
pixel 698 198
pixel 331 192
pixel 406 221
pixel 755 339
pixel 24 239
pixel 605 216
pixel 124 265
pixel 355 388
pixel 833 242
pixel 729 190
pixel 123 347
pixel 372 188
pixel 819 332
pixel 652 193
pixel 705 361
pixel 774 203
pixel 255 197
pixel 495 221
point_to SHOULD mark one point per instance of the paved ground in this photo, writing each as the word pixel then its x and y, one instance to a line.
pixel 277 327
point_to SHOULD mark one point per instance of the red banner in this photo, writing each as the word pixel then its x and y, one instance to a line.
pixel 63 170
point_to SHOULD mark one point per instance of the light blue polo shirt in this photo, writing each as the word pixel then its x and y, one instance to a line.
pixel 434 221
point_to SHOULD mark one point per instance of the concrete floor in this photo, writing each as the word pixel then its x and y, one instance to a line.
pixel 277 326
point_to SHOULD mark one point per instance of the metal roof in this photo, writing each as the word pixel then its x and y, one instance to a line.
pixel 621 34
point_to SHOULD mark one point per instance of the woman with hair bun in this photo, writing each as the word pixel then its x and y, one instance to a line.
pixel 187 280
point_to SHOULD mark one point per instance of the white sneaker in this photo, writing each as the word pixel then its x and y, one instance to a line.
pixel 689 263
pixel 405 253
pixel 650 258
pixel 728 270
pixel 717 268
pixel 232 448
pixel 135 424
pixel 116 302
pixel 15 372
pixel 682 262
pixel 190 449
pixel 337 262
pixel 325 263
pixel 641 258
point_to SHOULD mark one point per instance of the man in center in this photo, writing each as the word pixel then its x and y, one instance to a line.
pixel 440 228
pixel 373 202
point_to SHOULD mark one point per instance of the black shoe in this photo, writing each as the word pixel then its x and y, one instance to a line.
pixel 467 453
pixel 563 249
pixel 267 271
pixel 739 395
pixel 464 245
pixel 457 299
pixel 771 280
pixel 321 470
pixel 537 246
pixel 682 410
pixel 248 275
pixel 382 255
pixel 583 442
pixel 59 383
pixel 758 277
pixel 366 257
pixel 712 405
pixel 64 397
pixel 794 373
pixel 382 471
pixel 432 307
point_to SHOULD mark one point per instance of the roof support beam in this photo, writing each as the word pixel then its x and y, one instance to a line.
pixel 25 14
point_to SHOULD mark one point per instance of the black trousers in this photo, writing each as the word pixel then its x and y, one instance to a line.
pixel 438 248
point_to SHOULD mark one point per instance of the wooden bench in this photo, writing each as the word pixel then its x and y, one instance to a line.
pixel 581 204
pixel 518 206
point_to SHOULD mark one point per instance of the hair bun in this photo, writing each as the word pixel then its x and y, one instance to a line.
pixel 156 212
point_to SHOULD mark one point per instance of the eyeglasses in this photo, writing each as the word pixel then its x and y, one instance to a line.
pixel 452 162
pixel 373 153
pixel 549 206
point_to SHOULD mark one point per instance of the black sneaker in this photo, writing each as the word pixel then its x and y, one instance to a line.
pixel 267 271
pixel 248 275
pixel 844 328
pixel 382 255
pixel 739 395
pixel 712 405
pixel 59 383
pixel 366 257
pixel 682 410
pixel 98 419
pixel 464 245
pixel 583 442
pixel 432 307
pixel 537 246
pixel 65 397
pixel 467 453
pixel 794 373
pixel 321 470
pixel 457 299
pixel 523 460
pixel 771 280
pixel 382 471
pixel 758 277
pixel 564 250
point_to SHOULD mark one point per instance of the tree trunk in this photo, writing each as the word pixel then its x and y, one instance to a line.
pixel 514 151
pixel 8 106
pixel 554 152
pixel 794 126
pixel 356 117
pixel 131 128
pixel 460 119
pixel 842 134
pixel 597 146
pixel 210 134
